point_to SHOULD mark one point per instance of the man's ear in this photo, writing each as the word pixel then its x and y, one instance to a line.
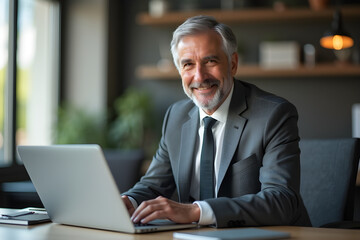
pixel 234 63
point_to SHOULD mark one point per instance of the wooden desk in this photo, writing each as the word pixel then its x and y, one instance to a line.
pixel 51 231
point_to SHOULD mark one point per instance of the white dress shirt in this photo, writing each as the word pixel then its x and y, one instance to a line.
pixel 206 213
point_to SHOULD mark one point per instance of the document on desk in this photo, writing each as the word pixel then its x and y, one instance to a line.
pixel 24 217
pixel 232 234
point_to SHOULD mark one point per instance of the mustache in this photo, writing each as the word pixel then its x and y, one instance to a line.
pixel 205 84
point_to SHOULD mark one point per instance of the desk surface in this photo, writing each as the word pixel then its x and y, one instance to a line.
pixel 52 231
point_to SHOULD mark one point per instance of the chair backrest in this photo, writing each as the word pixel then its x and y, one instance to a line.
pixel 125 165
pixel 328 176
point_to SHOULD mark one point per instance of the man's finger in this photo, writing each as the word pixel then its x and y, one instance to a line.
pixel 145 210
pixel 128 204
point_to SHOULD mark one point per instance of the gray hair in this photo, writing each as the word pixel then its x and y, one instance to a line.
pixel 200 24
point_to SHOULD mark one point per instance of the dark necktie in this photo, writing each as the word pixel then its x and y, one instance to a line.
pixel 207 161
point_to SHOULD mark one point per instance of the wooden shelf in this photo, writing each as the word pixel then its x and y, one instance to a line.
pixel 146 72
pixel 254 15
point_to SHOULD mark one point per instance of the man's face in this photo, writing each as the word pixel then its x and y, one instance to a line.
pixel 206 73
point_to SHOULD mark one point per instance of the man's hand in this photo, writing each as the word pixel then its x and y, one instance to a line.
pixel 128 204
pixel 163 208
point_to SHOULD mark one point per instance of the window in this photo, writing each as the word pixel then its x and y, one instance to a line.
pixel 29 74
pixel 4 30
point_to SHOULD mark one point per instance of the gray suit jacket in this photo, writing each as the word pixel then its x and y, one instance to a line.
pixel 259 175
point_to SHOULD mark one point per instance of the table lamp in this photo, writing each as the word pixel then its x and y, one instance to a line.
pixel 336 38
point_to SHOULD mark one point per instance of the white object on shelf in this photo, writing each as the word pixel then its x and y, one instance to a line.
pixel 284 54
pixel 309 55
pixel 356 120
pixel 157 8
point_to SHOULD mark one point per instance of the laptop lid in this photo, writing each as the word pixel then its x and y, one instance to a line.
pixel 77 188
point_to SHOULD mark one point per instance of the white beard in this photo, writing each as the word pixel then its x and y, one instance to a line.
pixel 209 105
pixel 212 103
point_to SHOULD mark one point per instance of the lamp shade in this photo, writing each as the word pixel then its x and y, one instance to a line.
pixel 336 38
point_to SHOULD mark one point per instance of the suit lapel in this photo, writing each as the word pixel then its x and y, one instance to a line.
pixel 234 127
pixel 186 159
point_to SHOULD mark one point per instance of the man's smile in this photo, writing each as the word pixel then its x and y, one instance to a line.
pixel 206 86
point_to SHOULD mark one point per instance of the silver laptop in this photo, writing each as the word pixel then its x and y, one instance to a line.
pixel 77 188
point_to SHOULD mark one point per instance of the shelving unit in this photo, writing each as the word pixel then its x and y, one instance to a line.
pixel 254 71
pixel 255 16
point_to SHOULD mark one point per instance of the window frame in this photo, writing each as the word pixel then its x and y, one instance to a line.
pixel 16 171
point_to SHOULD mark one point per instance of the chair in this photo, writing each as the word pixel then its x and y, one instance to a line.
pixel 19 195
pixel 328 176
pixel 125 166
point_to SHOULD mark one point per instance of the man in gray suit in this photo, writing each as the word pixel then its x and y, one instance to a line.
pixel 256 161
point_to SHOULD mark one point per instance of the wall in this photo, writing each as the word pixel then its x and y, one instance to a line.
pixel 324 103
pixel 84 53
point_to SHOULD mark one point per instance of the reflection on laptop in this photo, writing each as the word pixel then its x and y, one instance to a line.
pixel 76 187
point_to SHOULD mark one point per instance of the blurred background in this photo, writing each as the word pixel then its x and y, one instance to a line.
pixel 100 71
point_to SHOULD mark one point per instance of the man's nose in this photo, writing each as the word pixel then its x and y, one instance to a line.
pixel 200 73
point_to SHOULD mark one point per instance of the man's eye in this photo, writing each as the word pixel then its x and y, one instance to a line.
pixel 211 61
pixel 186 65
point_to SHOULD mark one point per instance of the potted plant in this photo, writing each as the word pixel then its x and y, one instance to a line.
pixel 131 128
pixel 133 125
pixel 76 126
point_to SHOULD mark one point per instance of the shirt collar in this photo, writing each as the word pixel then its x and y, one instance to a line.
pixel 221 113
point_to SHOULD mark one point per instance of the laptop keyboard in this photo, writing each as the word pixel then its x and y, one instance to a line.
pixel 157 222
pixel 142 224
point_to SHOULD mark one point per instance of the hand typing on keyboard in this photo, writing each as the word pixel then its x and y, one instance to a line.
pixel 163 208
